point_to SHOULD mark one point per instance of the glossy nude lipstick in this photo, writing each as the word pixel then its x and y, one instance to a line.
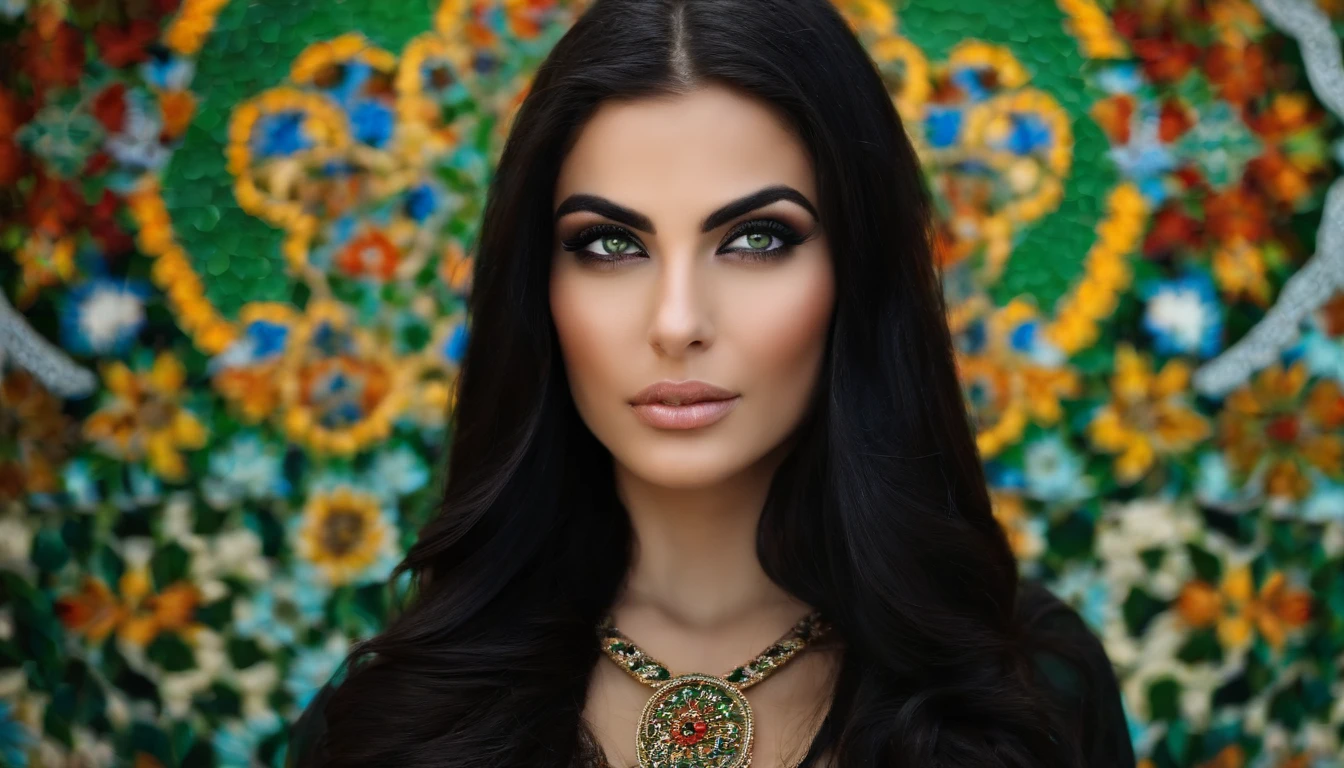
pixel 683 404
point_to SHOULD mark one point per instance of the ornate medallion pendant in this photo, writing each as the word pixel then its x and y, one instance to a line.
pixel 695 721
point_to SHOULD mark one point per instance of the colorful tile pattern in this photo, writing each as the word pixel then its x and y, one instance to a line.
pixel 233 244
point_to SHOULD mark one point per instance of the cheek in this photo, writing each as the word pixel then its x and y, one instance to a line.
pixel 780 327
pixel 589 321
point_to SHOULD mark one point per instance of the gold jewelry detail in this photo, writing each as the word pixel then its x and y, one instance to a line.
pixel 697 720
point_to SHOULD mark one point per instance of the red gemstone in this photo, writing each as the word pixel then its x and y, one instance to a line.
pixel 691 730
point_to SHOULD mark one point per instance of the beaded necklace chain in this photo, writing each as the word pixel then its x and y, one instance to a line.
pixel 697 720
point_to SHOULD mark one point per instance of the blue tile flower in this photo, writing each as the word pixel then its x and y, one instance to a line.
pixel 421 202
pixel 1184 315
pixel 397 471
pixel 1054 471
pixel 247 468
pixel 281 611
pixel 103 316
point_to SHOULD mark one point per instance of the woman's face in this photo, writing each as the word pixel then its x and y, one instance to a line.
pixel 687 250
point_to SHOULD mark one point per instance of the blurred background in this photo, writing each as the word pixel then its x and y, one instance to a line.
pixel 235 243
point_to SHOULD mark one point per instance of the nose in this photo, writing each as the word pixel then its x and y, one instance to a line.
pixel 682 307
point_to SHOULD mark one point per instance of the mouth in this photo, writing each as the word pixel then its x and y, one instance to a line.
pixel 683 405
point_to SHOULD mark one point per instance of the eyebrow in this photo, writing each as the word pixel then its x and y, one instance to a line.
pixel 726 213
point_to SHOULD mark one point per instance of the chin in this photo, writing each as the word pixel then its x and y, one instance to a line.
pixel 688 465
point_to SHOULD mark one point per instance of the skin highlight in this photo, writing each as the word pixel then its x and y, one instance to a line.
pixel 687 247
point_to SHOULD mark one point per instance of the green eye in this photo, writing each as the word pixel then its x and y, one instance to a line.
pixel 754 241
pixel 614 246
pixel 758 240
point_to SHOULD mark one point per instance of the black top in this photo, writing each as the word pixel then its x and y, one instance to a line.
pixel 1069 658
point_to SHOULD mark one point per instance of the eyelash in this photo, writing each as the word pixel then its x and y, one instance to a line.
pixel 786 234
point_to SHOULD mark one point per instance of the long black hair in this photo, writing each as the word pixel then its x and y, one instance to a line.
pixel 879 517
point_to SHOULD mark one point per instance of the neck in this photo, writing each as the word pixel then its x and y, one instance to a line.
pixel 694 559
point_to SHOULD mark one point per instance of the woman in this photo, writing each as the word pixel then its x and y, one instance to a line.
pixel 710 400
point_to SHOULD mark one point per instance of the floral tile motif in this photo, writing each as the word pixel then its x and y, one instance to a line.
pixel 249 227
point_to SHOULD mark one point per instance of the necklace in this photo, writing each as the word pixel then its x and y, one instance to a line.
pixel 697 720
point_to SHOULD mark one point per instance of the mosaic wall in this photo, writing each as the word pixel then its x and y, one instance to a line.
pixel 234 246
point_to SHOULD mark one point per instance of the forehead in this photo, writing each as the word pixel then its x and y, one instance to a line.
pixel 686 152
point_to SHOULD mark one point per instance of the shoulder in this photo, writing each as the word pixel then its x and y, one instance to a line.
pixel 1072 669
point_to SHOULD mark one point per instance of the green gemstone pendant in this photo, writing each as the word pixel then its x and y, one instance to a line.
pixel 695 721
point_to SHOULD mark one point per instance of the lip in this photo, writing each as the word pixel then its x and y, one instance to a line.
pixel 683 404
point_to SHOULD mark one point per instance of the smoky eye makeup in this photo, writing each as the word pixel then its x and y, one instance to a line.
pixel 779 239
pixel 603 246
pixel 762 239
